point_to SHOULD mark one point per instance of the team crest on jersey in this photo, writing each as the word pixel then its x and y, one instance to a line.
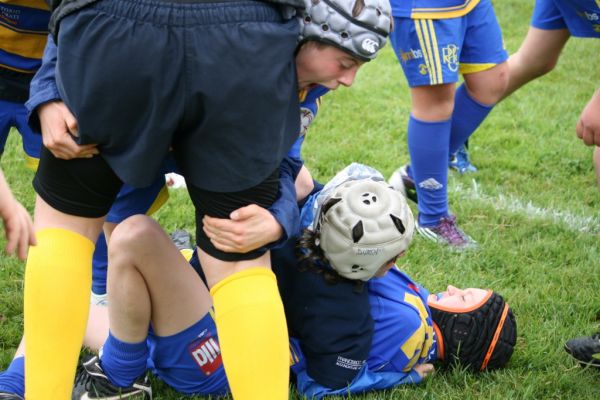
pixel 306 118
pixel 206 353
pixel 450 57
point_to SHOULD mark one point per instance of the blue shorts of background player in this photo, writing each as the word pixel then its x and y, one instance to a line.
pixel 433 52
pixel 580 17
pixel 15 115
pixel 552 24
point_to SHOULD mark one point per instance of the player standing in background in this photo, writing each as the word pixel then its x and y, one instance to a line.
pixel 552 24
pixel 23 30
pixel 435 41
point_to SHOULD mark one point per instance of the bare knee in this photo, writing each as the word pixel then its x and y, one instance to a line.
pixel 488 86
pixel 433 103
pixel 130 237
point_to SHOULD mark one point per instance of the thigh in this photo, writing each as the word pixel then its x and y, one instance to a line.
pixel 177 294
pixel 81 187
pixel 541 48
pixel 220 205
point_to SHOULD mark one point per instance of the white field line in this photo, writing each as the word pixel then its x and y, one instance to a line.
pixel 510 203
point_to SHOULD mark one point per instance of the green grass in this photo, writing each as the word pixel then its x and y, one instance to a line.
pixel 533 206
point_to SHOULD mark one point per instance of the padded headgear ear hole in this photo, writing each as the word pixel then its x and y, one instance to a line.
pixel 398 223
pixel 357 232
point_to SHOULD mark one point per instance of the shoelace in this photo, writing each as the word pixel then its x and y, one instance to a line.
pixel 82 377
pixel 449 231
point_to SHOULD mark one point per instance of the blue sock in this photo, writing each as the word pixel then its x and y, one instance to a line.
pixel 123 362
pixel 428 148
pixel 13 379
pixel 99 266
pixel 467 116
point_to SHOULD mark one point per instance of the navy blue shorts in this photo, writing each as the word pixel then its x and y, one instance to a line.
pixel 216 81
pixel 88 187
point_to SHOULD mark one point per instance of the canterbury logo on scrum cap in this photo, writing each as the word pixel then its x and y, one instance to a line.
pixel 370 46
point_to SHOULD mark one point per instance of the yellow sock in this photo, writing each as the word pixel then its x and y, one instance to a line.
pixel 58 280
pixel 252 335
pixel 187 253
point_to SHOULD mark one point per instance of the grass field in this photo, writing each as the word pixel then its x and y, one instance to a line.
pixel 533 206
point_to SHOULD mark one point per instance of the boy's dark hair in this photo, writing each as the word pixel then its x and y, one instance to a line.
pixel 313 259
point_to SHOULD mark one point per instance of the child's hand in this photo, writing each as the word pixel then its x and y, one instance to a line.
pixel 18 227
pixel 247 229
pixel 424 370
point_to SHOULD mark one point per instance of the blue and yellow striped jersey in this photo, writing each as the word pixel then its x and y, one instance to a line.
pixel 432 9
pixel 23 33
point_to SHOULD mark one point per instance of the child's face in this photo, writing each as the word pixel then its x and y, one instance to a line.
pixel 459 299
pixel 325 65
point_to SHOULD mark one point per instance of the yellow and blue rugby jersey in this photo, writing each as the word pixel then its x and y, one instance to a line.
pixel 404 335
pixel 23 33
pixel 432 9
